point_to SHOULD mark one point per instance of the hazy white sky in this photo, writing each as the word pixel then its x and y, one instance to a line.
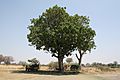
pixel 15 17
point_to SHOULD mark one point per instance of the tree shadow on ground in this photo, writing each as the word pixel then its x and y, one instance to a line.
pixel 43 72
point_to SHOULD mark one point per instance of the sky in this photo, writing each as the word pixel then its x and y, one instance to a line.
pixel 104 16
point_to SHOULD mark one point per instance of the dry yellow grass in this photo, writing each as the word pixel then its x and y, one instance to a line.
pixel 7 73
pixel 96 70
pixel 4 68
pixel 44 68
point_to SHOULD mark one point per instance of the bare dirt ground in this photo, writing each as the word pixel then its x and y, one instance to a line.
pixel 110 76
pixel 10 72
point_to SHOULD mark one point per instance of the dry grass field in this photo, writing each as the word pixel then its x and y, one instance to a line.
pixel 17 72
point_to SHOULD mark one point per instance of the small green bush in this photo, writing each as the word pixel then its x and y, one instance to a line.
pixel 75 67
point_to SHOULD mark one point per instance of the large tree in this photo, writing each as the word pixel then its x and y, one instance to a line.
pixel 53 32
pixel 60 34
pixel 85 36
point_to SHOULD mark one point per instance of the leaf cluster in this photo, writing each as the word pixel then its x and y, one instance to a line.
pixel 60 33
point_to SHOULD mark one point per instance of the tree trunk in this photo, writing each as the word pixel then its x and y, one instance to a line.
pixel 79 58
pixel 60 63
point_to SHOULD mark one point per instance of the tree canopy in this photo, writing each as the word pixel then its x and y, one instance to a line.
pixel 60 34
pixel 85 36
pixel 52 31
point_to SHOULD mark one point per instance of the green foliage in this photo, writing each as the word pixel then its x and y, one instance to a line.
pixel 75 67
pixel 114 65
pixel 88 65
pixel 33 66
pixel 34 61
pixel 60 34
pixel 84 38
pixel 48 29
pixel 51 32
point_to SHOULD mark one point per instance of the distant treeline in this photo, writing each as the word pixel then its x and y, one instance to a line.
pixel 96 64
pixel 6 59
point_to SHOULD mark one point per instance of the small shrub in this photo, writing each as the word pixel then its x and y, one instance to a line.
pixel 53 65
pixel 69 60
pixel 104 69
pixel 75 67
pixel 66 67
pixel 23 63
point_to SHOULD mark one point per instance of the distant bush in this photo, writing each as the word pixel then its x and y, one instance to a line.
pixel 104 69
pixel 75 67
pixel 114 65
pixel 23 63
pixel 69 60
pixel 1 58
pixel 6 59
pixel 53 65
pixel 88 65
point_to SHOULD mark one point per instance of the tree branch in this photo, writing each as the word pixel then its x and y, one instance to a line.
pixel 77 56
pixel 53 55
